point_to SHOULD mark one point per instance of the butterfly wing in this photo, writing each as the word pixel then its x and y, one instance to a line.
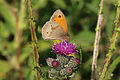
pixel 52 31
pixel 59 18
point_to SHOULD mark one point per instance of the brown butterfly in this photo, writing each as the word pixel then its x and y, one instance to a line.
pixel 56 28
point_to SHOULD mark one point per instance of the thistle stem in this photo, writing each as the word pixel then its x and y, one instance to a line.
pixel 97 38
pixel 34 38
pixel 18 39
pixel 112 43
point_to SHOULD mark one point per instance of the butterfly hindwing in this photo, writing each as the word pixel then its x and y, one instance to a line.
pixel 52 31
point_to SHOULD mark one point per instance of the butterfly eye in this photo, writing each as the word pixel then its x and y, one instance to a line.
pixel 59 16
pixel 47 32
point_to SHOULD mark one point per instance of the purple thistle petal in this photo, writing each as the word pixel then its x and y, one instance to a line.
pixel 64 48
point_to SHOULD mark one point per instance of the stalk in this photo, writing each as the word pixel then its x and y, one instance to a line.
pixel 97 39
pixel 112 43
pixel 34 38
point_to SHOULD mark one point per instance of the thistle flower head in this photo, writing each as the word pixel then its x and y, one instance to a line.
pixel 77 61
pixel 55 63
pixel 64 48
pixel 69 69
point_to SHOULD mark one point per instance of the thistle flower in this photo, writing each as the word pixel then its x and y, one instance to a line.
pixel 64 48
pixel 62 66
pixel 66 62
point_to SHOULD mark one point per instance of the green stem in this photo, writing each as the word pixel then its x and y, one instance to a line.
pixel 34 38
pixel 18 37
pixel 112 43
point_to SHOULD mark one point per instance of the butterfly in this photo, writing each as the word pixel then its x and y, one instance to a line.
pixel 56 28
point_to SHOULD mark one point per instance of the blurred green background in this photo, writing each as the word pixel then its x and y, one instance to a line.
pixel 81 18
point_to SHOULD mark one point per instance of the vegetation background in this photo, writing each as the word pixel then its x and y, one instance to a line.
pixel 81 15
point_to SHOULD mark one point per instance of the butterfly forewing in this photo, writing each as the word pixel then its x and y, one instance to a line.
pixel 59 18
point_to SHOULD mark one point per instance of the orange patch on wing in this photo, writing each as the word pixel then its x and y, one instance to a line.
pixel 61 21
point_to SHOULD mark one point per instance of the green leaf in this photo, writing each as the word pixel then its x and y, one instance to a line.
pixel 112 68
pixel 7 15
pixel 40 4
pixel 3 32
pixel 26 51
pixel 4 68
